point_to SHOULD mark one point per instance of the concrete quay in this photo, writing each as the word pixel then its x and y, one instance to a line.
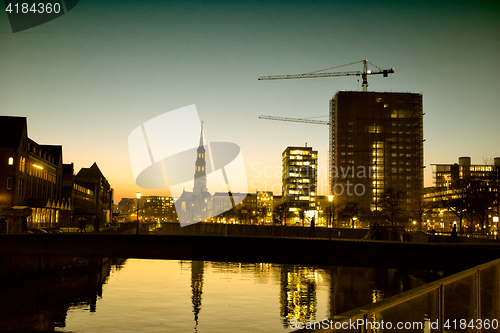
pixel 307 251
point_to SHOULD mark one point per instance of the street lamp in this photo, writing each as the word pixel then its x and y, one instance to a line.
pixel 330 199
pixel 138 196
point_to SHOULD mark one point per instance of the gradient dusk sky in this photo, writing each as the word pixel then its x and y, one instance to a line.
pixel 88 78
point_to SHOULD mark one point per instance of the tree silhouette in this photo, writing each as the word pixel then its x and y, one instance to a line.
pixel 391 205
pixel 262 212
pixel 302 215
pixel 279 213
pixel 350 211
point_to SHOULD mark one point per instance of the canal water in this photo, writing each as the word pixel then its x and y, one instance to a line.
pixel 132 295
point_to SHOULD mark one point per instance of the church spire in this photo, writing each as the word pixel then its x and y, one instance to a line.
pixel 201 136
pixel 200 174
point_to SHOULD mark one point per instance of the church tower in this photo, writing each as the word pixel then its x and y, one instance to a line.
pixel 200 174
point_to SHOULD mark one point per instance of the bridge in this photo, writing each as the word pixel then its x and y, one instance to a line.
pixel 286 250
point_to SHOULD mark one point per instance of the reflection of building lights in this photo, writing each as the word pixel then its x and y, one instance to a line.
pixel 377 296
pixel 138 196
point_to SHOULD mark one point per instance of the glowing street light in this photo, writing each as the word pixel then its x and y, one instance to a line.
pixel 330 199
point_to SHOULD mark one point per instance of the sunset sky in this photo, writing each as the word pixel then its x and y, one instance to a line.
pixel 88 78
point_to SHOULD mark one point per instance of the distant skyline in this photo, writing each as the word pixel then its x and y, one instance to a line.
pixel 88 78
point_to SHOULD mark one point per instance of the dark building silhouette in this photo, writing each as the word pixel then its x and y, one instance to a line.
pixel 376 143
pixel 35 184
pixel 102 199
pixel 80 199
pixel 30 177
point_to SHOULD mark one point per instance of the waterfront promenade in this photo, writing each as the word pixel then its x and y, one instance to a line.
pixel 310 251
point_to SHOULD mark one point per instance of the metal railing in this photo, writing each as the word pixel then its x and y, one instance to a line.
pixel 468 301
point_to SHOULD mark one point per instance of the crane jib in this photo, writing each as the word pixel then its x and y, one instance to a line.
pixel 384 72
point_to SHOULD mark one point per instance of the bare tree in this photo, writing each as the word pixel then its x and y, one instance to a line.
pixel 329 212
pixel 302 216
pixel 391 205
pixel 279 213
pixel 494 185
pixel 262 212
pixel 454 199
pixel 350 211
pixel 480 198
pixel 421 207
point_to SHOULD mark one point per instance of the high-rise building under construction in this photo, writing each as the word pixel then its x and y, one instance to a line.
pixel 376 143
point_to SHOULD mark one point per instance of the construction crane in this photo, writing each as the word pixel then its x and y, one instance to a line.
pixel 321 73
pixel 297 120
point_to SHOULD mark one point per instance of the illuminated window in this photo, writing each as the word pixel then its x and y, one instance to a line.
pixel 11 160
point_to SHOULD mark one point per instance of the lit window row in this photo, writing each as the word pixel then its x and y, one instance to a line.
pixel 300 152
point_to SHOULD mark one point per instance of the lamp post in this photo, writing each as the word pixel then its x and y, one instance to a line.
pixel 330 199
pixel 138 196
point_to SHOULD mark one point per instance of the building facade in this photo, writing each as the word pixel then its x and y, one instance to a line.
pixel 88 194
pixel 299 181
pixel 157 209
pixel 265 207
pixel 30 177
pixel 38 187
pixel 449 175
pixel 376 143
pixel 464 194
pixel 102 200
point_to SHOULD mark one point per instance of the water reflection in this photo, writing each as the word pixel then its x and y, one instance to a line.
pixel 351 287
pixel 196 288
pixel 298 293
pixel 29 303
pixel 180 296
